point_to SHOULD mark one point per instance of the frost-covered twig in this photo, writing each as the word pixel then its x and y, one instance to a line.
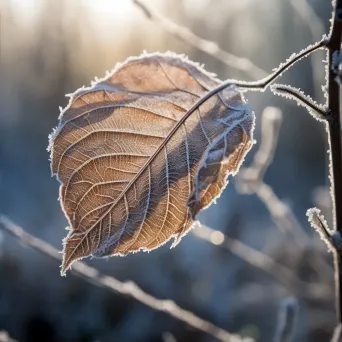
pixel 319 223
pixel 250 180
pixel 317 29
pixel 207 46
pixel 264 83
pixel 335 142
pixel 286 320
pixel 317 111
pixel 128 288
pixel 334 128
pixel 263 262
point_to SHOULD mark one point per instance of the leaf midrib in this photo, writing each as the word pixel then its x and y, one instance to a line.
pixel 150 160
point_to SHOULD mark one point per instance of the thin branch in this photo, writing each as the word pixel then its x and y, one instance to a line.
pixel 335 142
pixel 317 29
pixel 207 46
pixel 334 128
pixel 260 85
pixel 250 180
pixel 286 221
pixel 264 83
pixel 318 222
pixel 263 262
pixel 129 288
pixel 287 320
pixel 317 111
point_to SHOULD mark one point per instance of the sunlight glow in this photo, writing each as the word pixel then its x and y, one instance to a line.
pixel 26 9
pixel 117 8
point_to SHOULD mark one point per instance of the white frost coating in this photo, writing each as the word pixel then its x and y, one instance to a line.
pixel 318 222
pixel 84 90
pixel 301 99
pixel 326 69
pixel 235 116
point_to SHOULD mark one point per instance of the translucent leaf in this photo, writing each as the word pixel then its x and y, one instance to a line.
pixel 138 155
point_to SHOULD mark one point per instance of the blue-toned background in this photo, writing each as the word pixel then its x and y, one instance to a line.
pixel 52 47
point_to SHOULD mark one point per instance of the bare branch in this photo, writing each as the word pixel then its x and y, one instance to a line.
pixel 281 214
pixel 207 46
pixel 261 261
pixel 129 288
pixel 286 221
pixel 213 50
pixel 317 29
pixel 335 142
pixel 264 83
pixel 317 221
pixel 286 321
pixel 317 111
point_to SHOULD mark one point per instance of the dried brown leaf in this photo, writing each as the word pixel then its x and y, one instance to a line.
pixel 138 156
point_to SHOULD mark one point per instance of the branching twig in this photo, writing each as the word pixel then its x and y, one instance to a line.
pixel 335 142
pixel 317 29
pixel 263 262
pixel 207 46
pixel 264 83
pixel 333 120
pixel 260 85
pixel 318 222
pixel 250 180
pixel 124 288
pixel 317 111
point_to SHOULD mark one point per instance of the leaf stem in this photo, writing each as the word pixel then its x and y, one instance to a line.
pixel 262 85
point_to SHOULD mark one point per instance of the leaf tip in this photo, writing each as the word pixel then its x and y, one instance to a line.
pixel 66 264
pixel 69 255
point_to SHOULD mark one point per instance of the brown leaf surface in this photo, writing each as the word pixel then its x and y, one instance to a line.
pixel 137 157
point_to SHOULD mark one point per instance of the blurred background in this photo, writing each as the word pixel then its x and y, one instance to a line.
pixel 50 48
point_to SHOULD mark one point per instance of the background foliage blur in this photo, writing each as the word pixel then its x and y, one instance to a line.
pixel 52 47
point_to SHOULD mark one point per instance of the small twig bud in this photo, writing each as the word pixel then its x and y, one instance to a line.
pixel 318 222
